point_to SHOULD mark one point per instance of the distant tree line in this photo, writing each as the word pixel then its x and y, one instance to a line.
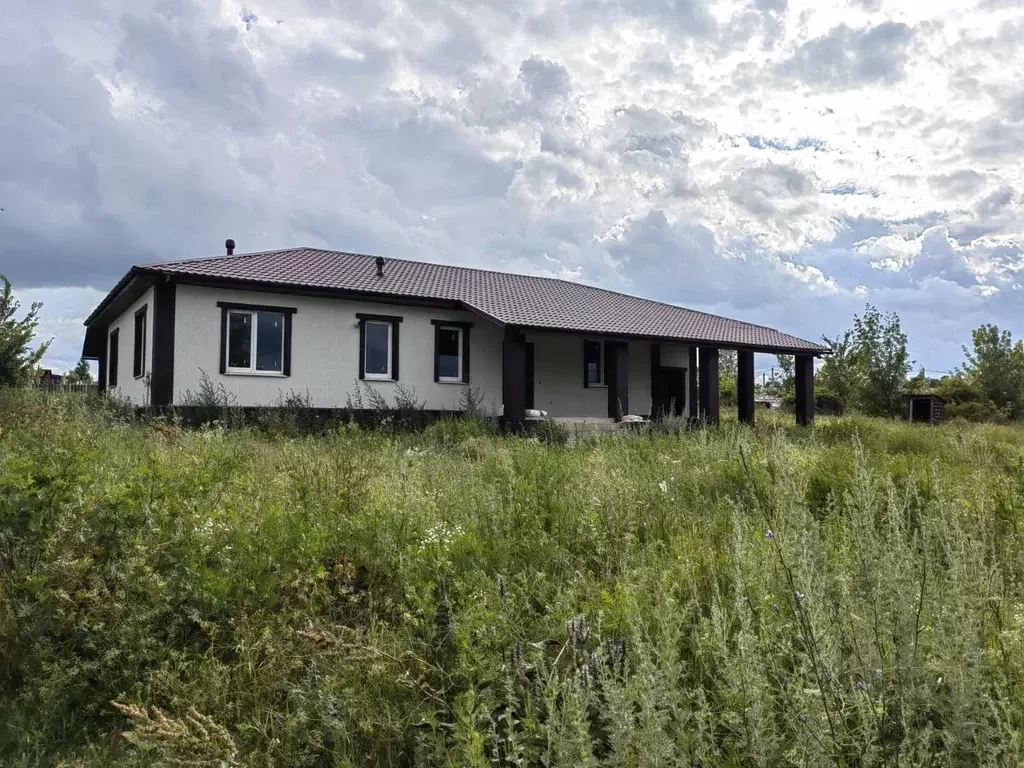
pixel 869 372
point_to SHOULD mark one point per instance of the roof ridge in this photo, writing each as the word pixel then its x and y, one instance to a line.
pixel 222 256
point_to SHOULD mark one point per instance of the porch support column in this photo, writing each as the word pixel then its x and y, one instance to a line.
pixel 616 356
pixel 513 376
pixel 709 403
pixel 804 370
pixel 656 407
pixel 161 386
pixel 745 386
pixel 691 384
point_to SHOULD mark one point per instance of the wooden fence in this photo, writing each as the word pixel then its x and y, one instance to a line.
pixel 45 385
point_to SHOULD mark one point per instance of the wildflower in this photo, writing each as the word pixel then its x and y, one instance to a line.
pixel 785 682
pixel 799 596
pixel 775 607
pixel 664 486
pixel 861 686
pixel 770 535
pixel 803 718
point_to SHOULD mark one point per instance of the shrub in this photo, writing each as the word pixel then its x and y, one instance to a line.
pixel 846 595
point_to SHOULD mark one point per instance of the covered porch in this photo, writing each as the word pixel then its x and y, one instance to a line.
pixel 585 377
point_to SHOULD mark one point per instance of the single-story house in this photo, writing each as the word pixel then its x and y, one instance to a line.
pixel 324 323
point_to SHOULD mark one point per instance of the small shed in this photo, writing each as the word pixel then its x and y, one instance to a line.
pixel 927 409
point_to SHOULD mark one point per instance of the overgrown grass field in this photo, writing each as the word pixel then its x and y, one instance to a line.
pixel 849 595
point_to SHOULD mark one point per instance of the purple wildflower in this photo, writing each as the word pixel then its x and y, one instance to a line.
pixel 861 686
pixel 799 596
pixel 775 607
pixel 770 535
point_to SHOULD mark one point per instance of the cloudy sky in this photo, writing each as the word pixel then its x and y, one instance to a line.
pixel 780 161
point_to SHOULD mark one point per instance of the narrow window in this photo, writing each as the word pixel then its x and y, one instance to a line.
pixel 449 354
pixel 139 349
pixel 256 339
pixel 112 357
pixel 451 351
pixel 377 352
pixel 593 373
pixel 378 347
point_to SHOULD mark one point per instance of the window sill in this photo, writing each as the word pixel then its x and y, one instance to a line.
pixel 459 382
pixel 263 374
pixel 379 378
pixel 596 386
pixel 140 376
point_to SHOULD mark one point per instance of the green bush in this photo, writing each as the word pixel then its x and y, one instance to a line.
pixel 844 595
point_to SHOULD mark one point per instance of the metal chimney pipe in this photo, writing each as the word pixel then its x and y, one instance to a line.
pixel 229 245
pixel 379 261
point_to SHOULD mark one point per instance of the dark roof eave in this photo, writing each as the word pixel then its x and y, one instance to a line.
pixel 816 350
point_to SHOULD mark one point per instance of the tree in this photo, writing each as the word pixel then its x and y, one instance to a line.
pixel 81 373
pixel 880 348
pixel 839 377
pixel 782 384
pixel 728 370
pixel 996 368
pixel 728 364
pixel 17 360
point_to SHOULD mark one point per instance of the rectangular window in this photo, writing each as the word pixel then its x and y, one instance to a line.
pixel 256 339
pixel 139 348
pixel 112 357
pixel 593 369
pixel 449 354
pixel 378 347
pixel 451 351
pixel 251 332
pixel 377 350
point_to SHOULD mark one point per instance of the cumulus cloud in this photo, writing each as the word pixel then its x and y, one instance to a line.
pixel 780 161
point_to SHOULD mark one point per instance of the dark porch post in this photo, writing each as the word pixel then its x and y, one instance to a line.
pixel 804 389
pixel 162 374
pixel 745 386
pixel 513 376
pixel 656 397
pixel 616 356
pixel 709 410
pixel 692 387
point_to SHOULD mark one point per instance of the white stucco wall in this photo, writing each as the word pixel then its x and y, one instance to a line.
pixel 134 389
pixel 325 350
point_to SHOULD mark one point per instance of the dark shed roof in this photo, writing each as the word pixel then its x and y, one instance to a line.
pixel 531 302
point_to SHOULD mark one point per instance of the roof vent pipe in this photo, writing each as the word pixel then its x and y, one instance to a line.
pixel 379 261
pixel 229 244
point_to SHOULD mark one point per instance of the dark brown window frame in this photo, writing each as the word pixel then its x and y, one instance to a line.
pixel 286 352
pixel 394 321
pixel 139 342
pixel 113 356
pixel 463 328
pixel 589 344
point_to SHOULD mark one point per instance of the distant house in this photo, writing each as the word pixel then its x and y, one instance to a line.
pixel 316 321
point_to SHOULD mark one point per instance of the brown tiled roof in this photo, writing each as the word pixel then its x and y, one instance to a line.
pixel 535 302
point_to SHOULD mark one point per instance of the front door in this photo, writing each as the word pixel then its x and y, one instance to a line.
pixel 673 391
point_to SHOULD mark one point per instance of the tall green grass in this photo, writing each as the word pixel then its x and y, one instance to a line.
pixel 849 595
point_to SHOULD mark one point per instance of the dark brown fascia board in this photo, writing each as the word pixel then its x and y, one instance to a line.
pixel 118 292
pixel 768 350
